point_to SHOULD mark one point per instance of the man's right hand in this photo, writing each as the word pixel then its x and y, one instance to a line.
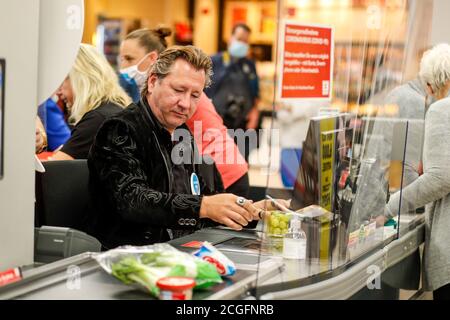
pixel 222 208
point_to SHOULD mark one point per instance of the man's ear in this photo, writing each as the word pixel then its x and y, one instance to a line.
pixel 151 82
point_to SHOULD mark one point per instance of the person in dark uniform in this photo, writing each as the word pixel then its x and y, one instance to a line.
pixel 234 86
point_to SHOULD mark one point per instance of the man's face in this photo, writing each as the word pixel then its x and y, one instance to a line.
pixel 174 98
pixel 240 34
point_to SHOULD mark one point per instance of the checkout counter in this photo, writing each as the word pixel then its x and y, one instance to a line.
pixel 260 274
pixel 348 257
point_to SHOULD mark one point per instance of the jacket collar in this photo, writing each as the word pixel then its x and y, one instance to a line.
pixel 155 124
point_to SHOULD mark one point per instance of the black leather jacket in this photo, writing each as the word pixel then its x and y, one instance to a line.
pixel 131 180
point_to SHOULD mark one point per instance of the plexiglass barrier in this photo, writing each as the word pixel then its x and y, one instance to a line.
pixel 358 148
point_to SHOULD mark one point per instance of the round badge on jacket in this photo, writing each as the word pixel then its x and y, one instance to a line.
pixel 195 184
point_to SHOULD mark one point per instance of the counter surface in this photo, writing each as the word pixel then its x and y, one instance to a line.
pixel 260 273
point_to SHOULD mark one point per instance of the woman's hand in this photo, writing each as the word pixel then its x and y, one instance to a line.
pixel 41 136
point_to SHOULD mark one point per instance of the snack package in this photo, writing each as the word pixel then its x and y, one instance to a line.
pixel 144 266
pixel 209 253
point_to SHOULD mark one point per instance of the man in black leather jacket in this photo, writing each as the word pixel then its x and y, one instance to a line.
pixel 141 192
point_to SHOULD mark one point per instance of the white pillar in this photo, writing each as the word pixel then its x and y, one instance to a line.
pixel 39 41
pixel 19 34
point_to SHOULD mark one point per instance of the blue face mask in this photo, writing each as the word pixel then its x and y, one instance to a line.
pixel 238 49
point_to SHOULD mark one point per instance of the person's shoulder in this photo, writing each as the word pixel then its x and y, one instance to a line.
pixel 218 59
pixel 50 104
pixel 217 56
pixel 206 112
pixel 440 108
pixel 410 101
pixel 409 90
pixel 121 114
pixel 249 61
pixel 108 109
pixel 120 124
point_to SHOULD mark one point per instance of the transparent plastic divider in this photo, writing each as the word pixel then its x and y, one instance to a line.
pixel 407 213
pixel 371 181
pixel 361 127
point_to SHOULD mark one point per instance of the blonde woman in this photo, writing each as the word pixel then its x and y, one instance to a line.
pixel 92 94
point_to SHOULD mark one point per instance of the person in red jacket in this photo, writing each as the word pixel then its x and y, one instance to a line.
pixel 212 139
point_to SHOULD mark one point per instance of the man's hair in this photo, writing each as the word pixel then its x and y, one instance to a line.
pixel 435 66
pixel 151 39
pixel 192 55
pixel 241 25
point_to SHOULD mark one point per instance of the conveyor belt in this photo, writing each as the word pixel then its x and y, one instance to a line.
pixel 55 280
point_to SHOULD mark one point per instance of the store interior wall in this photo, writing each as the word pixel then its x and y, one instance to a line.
pixel 19 47
pixel 441 22
pixel 206 24
pixel 150 13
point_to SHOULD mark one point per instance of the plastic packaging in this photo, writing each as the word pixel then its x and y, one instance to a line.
pixel 175 288
pixel 209 253
pixel 144 266
pixel 277 223
pixel 294 242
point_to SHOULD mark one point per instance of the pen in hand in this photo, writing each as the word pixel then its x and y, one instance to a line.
pixel 284 208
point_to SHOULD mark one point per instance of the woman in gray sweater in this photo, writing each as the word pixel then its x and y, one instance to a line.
pixel 433 187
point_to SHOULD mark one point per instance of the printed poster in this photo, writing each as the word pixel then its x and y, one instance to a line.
pixel 306 61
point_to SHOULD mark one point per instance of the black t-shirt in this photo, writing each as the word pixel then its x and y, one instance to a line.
pixel 84 132
pixel 182 175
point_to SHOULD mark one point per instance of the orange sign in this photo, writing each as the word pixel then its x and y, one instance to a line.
pixel 307 62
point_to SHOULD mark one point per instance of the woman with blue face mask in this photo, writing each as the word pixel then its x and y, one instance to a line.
pixel 138 52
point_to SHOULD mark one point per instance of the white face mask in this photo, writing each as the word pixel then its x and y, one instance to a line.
pixel 140 77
